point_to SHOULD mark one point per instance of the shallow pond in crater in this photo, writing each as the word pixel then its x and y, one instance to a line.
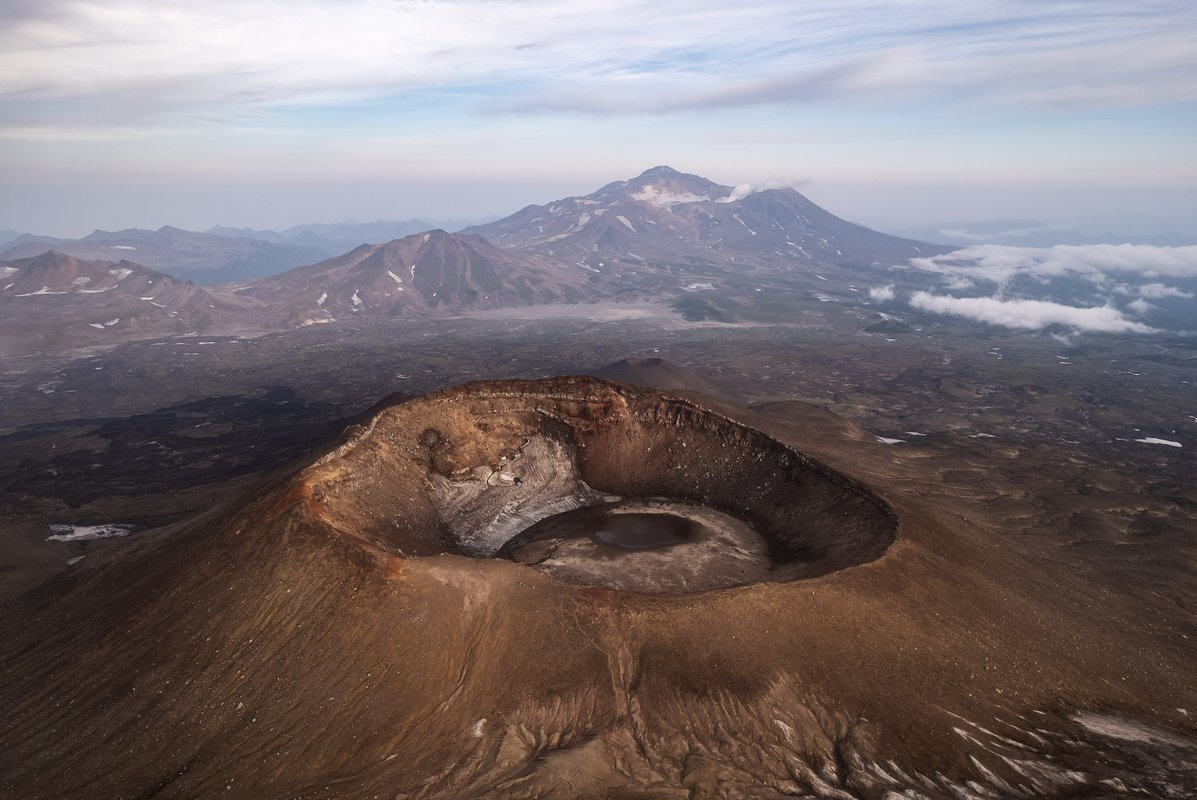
pixel 653 545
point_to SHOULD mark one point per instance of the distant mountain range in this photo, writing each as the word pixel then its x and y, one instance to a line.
pixel 199 257
pixel 221 254
pixel 711 251
pixel 340 237
pixel 54 302
pixel 714 253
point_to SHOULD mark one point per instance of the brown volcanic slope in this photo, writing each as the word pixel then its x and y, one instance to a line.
pixel 426 273
pixel 55 302
pixel 345 635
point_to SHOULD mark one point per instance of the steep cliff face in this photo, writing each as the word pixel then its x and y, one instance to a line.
pixel 348 634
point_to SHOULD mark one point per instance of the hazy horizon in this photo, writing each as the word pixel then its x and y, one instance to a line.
pixel 268 115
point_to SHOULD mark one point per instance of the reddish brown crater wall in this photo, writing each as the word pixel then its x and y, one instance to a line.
pixel 618 440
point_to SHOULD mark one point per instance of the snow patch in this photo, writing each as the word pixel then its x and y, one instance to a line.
pixel 624 220
pixel 75 533
pixel 123 247
pixel 320 300
pixel 888 440
pixel 357 301
pixel 395 277
pixel 121 273
pixel 1154 440
pixel 745 224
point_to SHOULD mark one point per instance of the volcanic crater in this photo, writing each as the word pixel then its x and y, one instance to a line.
pixel 596 483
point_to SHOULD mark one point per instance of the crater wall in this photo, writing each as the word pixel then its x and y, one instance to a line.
pixel 463 470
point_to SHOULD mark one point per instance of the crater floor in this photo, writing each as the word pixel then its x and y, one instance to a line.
pixel 547 473
pixel 652 545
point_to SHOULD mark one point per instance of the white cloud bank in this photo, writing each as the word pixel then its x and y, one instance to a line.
pixel 1001 264
pixel 1029 314
pixel 881 294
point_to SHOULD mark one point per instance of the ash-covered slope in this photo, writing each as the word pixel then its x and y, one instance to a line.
pixel 422 274
pixel 200 257
pixel 54 302
pixel 332 638
pixel 664 218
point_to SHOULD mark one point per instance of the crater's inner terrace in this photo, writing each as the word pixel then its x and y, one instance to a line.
pixel 502 469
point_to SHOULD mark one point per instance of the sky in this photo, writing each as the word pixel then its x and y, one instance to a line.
pixel 268 113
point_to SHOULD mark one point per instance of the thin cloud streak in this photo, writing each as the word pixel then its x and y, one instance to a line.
pixel 156 61
pixel 1001 264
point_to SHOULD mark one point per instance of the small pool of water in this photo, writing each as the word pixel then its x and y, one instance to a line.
pixel 646 545
pixel 643 531
pixel 605 527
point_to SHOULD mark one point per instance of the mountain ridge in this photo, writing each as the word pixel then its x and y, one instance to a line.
pixel 418 275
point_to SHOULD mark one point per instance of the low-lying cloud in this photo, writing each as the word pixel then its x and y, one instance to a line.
pixel 881 294
pixel 1001 264
pixel 1029 314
